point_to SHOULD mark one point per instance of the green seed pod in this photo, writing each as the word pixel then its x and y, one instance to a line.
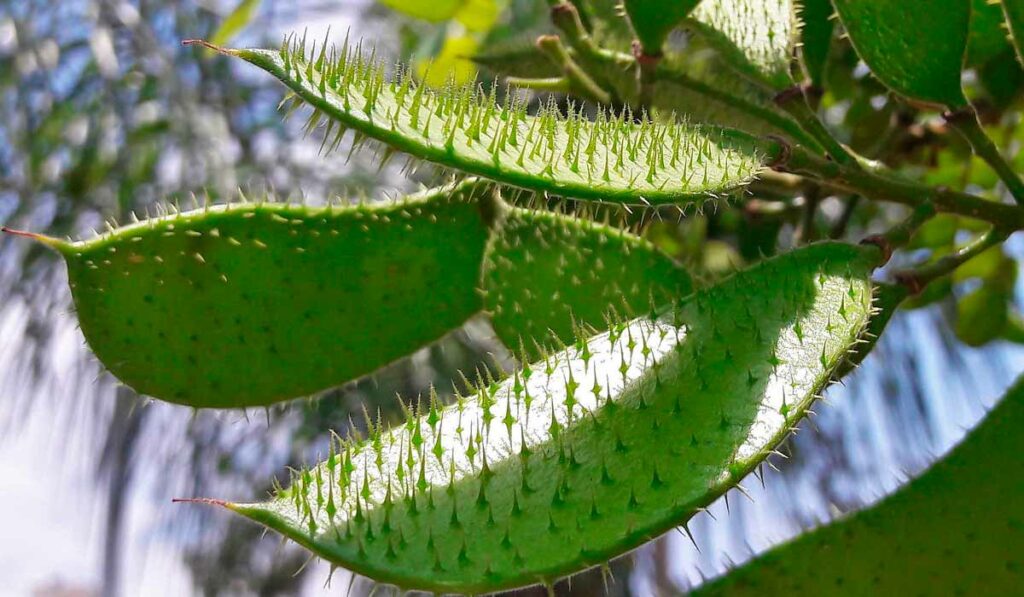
pixel 250 304
pixel 952 531
pixel 546 276
pixel 591 451
pixel 758 37
pixel 611 158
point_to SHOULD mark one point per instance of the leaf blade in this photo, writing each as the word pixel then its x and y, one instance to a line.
pixel 921 65
pixel 948 531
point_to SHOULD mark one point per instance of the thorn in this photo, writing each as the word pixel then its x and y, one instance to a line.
pixel 207 501
pixel 209 46
pixel 49 241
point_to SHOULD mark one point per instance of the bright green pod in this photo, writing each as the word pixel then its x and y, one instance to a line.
pixel 653 20
pixel 914 48
pixel 591 451
pixel 612 158
pixel 250 304
pixel 758 37
pixel 547 276
pixel 955 530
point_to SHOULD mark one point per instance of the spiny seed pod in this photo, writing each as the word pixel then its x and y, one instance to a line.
pixel 612 158
pixel 547 276
pixel 757 36
pixel 589 452
pixel 953 531
pixel 249 304
pixel 138 290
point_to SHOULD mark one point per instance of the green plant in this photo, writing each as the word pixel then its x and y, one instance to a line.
pixel 645 388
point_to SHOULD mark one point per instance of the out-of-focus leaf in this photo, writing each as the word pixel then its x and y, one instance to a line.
pixel 816 37
pixel 720 258
pixel 453 64
pixel 1014 330
pixel 480 15
pixel 1014 10
pixel 986 265
pixel 939 231
pixel 987 34
pixel 434 11
pixel 237 20
pixel 981 315
pixel 1002 79
pixel 933 293
pixel 915 48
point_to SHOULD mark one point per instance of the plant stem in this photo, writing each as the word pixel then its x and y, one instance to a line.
pixel 899 235
pixel 578 78
pixel 794 102
pixel 869 181
pixel 916 279
pixel 967 124
pixel 812 198
pixel 647 75
pixel 552 84
pixel 566 18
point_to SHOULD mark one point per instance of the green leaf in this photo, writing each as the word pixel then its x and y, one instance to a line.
pixel 250 304
pixel 591 451
pixel 547 275
pixel 610 159
pixel 479 16
pixel 757 36
pixel 653 20
pixel 915 48
pixel 1002 78
pixel 452 65
pixel 434 11
pixel 988 264
pixel 981 315
pixel 816 36
pixel 233 24
pixel 952 531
